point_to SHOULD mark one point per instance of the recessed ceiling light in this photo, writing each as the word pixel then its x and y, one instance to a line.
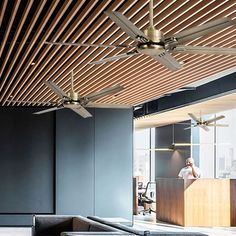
pixel 33 63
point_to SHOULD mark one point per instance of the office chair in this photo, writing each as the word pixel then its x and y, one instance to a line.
pixel 145 199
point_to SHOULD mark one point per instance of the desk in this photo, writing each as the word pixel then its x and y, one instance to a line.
pixel 197 202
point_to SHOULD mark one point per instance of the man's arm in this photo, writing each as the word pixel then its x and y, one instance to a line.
pixel 194 172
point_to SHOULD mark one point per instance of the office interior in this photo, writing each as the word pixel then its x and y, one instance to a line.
pixel 135 137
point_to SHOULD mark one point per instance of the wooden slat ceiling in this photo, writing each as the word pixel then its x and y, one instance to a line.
pixel 27 24
pixel 209 107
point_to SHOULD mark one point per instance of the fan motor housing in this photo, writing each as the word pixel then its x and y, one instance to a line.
pixel 154 34
pixel 156 43
pixel 74 96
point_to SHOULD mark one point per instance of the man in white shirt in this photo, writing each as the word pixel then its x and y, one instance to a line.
pixel 190 171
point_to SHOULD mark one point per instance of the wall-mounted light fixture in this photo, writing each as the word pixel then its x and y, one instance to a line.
pixel 171 149
pixel 182 144
pixel 165 149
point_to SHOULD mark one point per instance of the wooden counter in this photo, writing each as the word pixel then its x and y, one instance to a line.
pixel 197 202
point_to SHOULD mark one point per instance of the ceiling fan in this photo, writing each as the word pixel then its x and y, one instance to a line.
pixel 75 102
pixel 152 42
pixel 205 123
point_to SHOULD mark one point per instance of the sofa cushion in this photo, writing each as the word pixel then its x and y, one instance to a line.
pixel 81 223
pixel 51 225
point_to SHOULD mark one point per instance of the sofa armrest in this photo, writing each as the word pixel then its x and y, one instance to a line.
pixel 121 227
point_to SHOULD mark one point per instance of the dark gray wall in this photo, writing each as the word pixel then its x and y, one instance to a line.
pixel 91 155
pixel 26 162
pixel 169 163
pixel 75 163
pixel 113 163
pixel 65 164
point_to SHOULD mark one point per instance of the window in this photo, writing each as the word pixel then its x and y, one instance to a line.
pixel 226 146
pixel 216 149
pixel 144 155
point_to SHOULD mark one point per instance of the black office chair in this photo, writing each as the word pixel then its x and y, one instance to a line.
pixel 143 199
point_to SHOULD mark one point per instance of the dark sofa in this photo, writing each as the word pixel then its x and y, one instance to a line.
pixel 59 225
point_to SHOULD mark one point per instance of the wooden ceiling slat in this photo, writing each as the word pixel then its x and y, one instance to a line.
pixel 143 78
pixel 40 44
pixel 138 17
pixel 2 11
pixel 111 40
pixel 41 61
pixel 201 15
pixel 50 66
pixel 73 58
pixel 33 41
pixel 101 41
pixel 9 26
pixel 201 71
pixel 161 75
pixel 180 21
pixel 214 70
pixel 23 41
pixel 18 30
pixel 136 85
pixel 142 81
pixel 152 82
pixel 140 24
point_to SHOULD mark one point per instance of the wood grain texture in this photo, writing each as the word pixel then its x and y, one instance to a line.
pixel 170 200
pixel 143 78
pixel 202 202
pixel 233 201
pixel 207 202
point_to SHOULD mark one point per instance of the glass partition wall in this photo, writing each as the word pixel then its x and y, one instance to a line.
pixel 215 149
pixel 144 155
pixel 144 170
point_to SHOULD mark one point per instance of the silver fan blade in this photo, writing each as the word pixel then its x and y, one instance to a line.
pixel 48 110
pixel 204 50
pixel 204 127
pixel 167 60
pixel 120 56
pixel 32 101
pixel 194 118
pixel 183 123
pixel 219 125
pixel 56 89
pixel 127 26
pixel 204 29
pixel 90 45
pixel 214 119
pixel 103 105
pixel 96 95
pixel 81 111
